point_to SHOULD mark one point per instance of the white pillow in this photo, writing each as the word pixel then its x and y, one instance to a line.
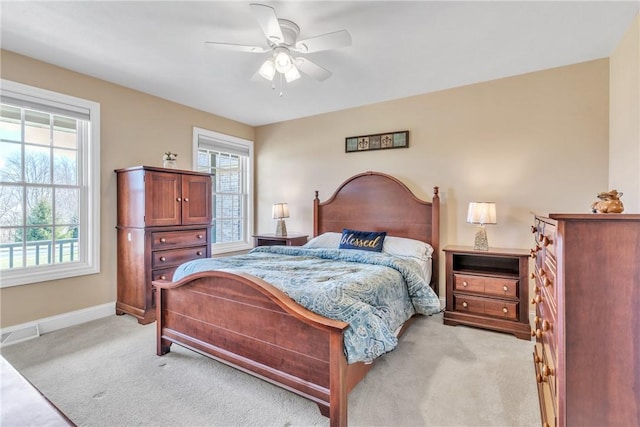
pixel 402 246
pixel 325 240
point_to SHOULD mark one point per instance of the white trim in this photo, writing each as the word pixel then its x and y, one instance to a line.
pixel 90 214
pixel 26 331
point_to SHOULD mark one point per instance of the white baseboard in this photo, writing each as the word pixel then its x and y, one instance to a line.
pixel 18 333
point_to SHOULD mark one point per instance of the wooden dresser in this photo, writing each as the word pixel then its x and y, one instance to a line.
pixel 164 219
pixel 488 289
pixel 587 324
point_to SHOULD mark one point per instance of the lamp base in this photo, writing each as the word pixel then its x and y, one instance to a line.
pixel 481 243
pixel 281 229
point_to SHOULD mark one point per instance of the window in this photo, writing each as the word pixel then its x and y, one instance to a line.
pixel 230 161
pixel 49 185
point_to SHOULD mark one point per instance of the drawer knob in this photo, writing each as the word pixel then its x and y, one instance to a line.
pixel 540 379
pixel 536 357
pixel 199 253
pixel 539 333
pixel 536 320
pixel 505 310
pixel 163 277
pixel 179 199
pixel 533 301
pixel 200 236
pixel 533 333
pixel 533 229
pixel 546 241
pixel 546 325
pixel 546 371
pixel 163 259
pixel 186 199
pixel 533 275
pixel 505 288
pixel 547 282
pixel 533 254
pixel 464 304
pixel 543 273
pixel 465 284
pixel 163 240
pixel 538 298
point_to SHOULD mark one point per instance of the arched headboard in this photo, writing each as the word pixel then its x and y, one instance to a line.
pixel 375 201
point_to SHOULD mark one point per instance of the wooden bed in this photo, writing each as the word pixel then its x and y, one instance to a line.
pixel 247 323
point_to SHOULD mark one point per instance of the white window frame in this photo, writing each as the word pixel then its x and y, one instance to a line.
pixel 89 240
pixel 212 137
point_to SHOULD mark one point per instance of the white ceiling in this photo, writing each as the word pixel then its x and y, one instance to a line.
pixel 399 48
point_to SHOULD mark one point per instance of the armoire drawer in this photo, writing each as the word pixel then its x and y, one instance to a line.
pixel 174 257
pixel 172 239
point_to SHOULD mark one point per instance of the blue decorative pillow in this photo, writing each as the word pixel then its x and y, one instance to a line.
pixel 365 240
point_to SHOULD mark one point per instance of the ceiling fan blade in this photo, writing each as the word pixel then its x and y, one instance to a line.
pixel 237 47
pixel 268 21
pixel 312 69
pixel 327 41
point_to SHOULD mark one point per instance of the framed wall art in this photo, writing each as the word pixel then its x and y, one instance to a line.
pixel 377 141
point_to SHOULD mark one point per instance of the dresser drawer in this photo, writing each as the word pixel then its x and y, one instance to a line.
pixel 546 396
pixel 486 306
pixel 174 257
pixel 507 288
pixel 172 239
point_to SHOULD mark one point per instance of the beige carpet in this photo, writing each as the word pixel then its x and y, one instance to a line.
pixel 106 373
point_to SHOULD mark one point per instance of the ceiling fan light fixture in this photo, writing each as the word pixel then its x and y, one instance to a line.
pixel 283 61
pixel 292 74
pixel 268 69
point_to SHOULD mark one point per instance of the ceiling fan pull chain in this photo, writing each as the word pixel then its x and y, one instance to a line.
pixel 281 85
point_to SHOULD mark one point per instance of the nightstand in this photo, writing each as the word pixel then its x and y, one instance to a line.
pixel 488 289
pixel 270 239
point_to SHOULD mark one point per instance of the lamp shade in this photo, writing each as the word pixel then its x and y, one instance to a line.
pixel 481 213
pixel 280 210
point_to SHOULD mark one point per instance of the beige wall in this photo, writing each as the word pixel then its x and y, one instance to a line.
pixel 624 117
pixel 135 129
pixel 535 142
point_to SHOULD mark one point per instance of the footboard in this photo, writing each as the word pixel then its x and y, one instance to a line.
pixel 247 323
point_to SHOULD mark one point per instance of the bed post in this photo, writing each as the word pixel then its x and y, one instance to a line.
pixel 316 203
pixel 337 382
pixel 435 239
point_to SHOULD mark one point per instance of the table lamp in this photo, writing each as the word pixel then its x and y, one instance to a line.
pixel 481 213
pixel 279 212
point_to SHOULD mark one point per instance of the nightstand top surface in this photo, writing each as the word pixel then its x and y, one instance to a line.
pixel 491 251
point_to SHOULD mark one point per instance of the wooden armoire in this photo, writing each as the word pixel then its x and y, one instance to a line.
pixel 163 220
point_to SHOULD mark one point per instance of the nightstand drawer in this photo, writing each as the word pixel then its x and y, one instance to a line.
pixel 466 283
pixel 486 306
pixel 507 288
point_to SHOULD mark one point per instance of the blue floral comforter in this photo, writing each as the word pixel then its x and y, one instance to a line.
pixel 375 293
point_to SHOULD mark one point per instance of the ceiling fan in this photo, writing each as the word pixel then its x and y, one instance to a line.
pixel 282 39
